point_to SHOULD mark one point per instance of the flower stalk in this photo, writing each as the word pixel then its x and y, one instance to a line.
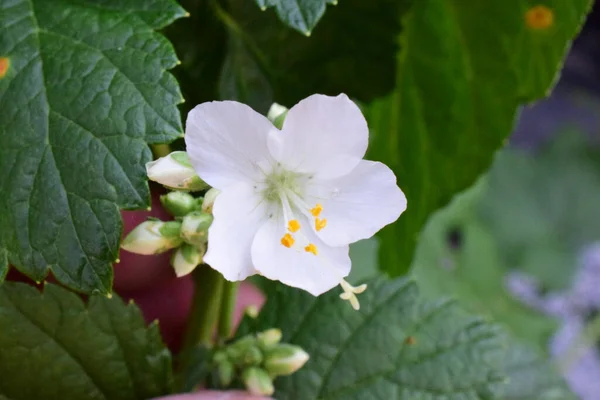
pixel 206 302
pixel 228 300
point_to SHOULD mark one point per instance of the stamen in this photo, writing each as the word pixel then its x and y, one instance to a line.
pixel 316 210
pixel 311 248
pixel 320 223
pixel 350 293
pixel 287 240
pixel 293 225
pixel 352 299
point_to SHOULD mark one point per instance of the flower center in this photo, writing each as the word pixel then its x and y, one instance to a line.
pixel 280 181
pixel 287 188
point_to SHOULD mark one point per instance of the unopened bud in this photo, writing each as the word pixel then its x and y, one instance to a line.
pixel 251 311
pixel 186 258
pixel 209 200
pixel 277 114
pixel 225 371
pixel 252 356
pixel 257 382
pixel 194 228
pixel 153 237
pixel 175 171
pixel 285 359
pixel 239 348
pixel 178 204
pixel 269 338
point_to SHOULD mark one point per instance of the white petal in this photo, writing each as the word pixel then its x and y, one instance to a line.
pixel 238 213
pixel 322 135
pixel 295 267
pixel 359 204
pixel 226 141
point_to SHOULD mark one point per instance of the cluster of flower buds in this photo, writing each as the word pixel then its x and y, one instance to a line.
pixel 257 360
pixel 188 233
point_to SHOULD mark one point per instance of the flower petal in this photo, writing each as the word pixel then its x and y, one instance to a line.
pixel 322 135
pixel 238 213
pixel 226 142
pixel 359 204
pixel 294 266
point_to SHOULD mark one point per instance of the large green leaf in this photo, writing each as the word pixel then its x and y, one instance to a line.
pixel 352 50
pixel 86 90
pixel 396 347
pixel 464 68
pixel 301 15
pixel 54 347
pixel 242 79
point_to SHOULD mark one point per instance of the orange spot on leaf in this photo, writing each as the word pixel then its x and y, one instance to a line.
pixel 4 66
pixel 539 17
pixel 410 340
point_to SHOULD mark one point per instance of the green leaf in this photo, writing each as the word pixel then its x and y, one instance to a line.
pixel 464 68
pixel 458 257
pixel 302 15
pixel 351 51
pixel 86 90
pixel 531 377
pixel 364 260
pixel 396 346
pixel 53 346
pixel 242 78
pixel 3 264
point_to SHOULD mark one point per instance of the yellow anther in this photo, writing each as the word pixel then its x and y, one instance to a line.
pixel 311 248
pixel 316 210
pixel 539 17
pixel 287 240
pixel 320 223
pixel 293 225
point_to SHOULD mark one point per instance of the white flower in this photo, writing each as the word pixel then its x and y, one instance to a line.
pixel 174 171
pixel 291 200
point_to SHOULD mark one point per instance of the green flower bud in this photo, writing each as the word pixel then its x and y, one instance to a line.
pixel 277 114
pixel 257 382
pixel 175 171
pixel 225 372
pixel 252 356
pixel 209 200
pixel 178 204
pixel 269 338
pixel 186 258
pixel 238 349
pixel 251 311
pixel 194 228
pixel 153 237
pixel 285 359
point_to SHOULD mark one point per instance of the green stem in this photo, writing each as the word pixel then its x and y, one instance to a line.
pixel 228 300
pixel 208 286
pixel 203 317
